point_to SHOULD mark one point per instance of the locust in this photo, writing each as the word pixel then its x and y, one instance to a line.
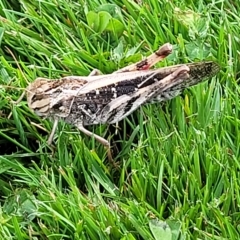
pixel 109 98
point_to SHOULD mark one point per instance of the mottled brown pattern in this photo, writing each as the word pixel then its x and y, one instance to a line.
pixel 110 98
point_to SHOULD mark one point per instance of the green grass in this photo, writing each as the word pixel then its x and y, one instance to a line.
pixel 178 175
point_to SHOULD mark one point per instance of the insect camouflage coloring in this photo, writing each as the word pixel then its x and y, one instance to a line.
pixel 99 99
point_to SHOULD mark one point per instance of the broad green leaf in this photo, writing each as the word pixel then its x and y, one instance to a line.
pixel 112 9
pixel 93 20
pixel 115 26
pixel 160 230
pixel 104 18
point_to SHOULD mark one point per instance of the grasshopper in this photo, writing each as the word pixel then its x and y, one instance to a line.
pixel 100 99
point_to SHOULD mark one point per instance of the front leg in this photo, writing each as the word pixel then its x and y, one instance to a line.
pixel 94 72
pixel 101 140
pixel 54 128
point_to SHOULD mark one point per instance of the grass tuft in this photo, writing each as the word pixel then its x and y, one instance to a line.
pixel 178 162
